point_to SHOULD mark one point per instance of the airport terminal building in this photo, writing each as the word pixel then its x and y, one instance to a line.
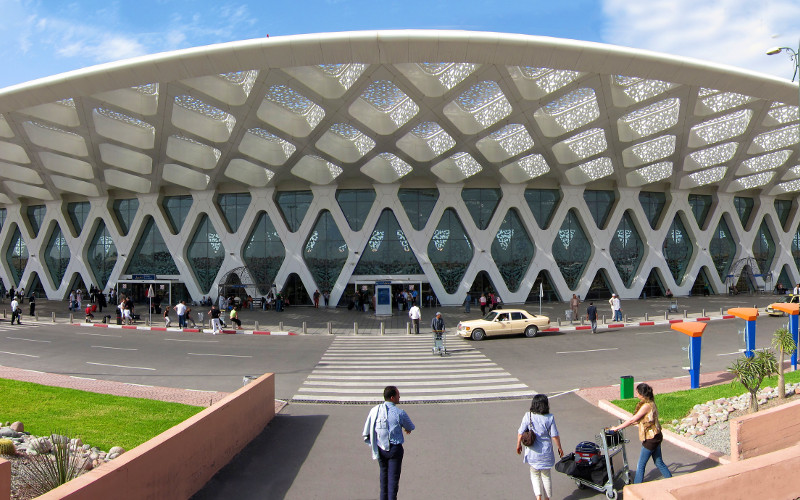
pixel 454 162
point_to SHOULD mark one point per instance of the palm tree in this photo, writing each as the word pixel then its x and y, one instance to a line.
pixel 783 342
pixel 750 372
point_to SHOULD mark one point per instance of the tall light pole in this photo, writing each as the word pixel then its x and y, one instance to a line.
pixel 795 54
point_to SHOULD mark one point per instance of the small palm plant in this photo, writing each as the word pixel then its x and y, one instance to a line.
pixel 750 372
pixel 783 342
pixel 54 463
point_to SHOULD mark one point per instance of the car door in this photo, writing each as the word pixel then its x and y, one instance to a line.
pixel 518 322
pixel 501 324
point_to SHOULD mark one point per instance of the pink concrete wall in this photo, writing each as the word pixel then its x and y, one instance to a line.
pixel 771 475
pixel 765 431
pixel 5 479
pixel 177 463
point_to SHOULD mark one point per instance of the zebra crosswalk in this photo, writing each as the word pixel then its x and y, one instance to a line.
pixel 356 369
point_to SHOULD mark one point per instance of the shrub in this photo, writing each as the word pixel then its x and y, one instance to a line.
pixel 46 471
pixel 750 372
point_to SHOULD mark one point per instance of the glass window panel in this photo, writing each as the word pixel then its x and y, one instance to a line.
pixel 653 204
pixel 17 256
pixel 264 253
pixel 388 250
pixel 744 207
pixel 325 252
pixel 481 204
pixel 355 204
pixel 293 206
pixel 599 203
pixel 512 250
pixel 177 208
pixel 418 204
pixel 3 214
pixel 722 249
pixel 701 204
pixel 205 254
pixel 450 251
pixel 782 207
pixel 543 203
pixel 571 249
pixel 764 248
pixel 151 255
pixel 677 249
pixel 627 249
pixel 36 217
pixel 796 248
pixel 102 255
pixel 125 210
pixel 233 207
pixel 78 212
pixel 56 256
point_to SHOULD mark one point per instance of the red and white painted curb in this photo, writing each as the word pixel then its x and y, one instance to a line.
pixel 612 326
pixel 227 331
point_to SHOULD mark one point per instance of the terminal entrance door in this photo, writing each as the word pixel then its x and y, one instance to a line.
pixel 137 291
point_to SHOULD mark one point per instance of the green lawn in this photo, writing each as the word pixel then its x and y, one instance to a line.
pixel 98 419
pixel 677 405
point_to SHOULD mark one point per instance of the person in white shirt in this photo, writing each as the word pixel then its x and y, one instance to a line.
pixel 16 311
pixel 415 314
pixel 616 307
pixel 796 290
pixel 180 310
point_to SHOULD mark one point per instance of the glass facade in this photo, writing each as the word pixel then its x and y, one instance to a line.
pixel 293 206
pixel 233 207
pixel 701 204
pixel 512 250
pixel 418 204
pixel 450 251
pixel 783 208
pixel 571 249
pixel 151 255
pixel 325 252
pixel 78 212
pixel 627 249
pixel 722 249
pixel 355 205
pixel 56 256
pixel 205 254
pixel 176 208
pixel 388 250
pixel 125 211
pixel 264 253
pixel 744 207
pixel 653 204
pixel 796 248
pixel 102 255
pixel 764 248
pixel 3 214
pixel 600 204
pixel 36 217
pixel 481 204
pixel 677 249
pixel 543 203
pixel 17 256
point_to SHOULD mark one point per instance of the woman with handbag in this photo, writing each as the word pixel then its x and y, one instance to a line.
pixel 646 416
pixel 540 425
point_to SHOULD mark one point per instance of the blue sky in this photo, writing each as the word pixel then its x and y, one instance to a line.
pixel 40 38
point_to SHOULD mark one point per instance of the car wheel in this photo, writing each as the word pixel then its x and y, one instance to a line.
pixel 478 334
pixel 531 331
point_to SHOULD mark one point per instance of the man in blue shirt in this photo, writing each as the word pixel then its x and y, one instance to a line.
pixel 383 431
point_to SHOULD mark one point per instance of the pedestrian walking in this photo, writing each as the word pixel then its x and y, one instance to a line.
pixel 32 303
pixel 326 297
pixel 616 307
pixel 383 432
pixel 646 417
pixel 317 295
pixel 591 315
pixel 573 304
pixel 539 456
pixel 415 314
pixel 16 311
pixel 437 325
pixel 180 310
pixel 467 303
pixel 214 315
pixel 483 304
pixel 167 321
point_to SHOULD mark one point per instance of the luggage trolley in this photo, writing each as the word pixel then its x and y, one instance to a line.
pixel 439 343
pixel 614 458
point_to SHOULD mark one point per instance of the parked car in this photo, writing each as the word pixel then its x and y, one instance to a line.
pixel 504 322
pixel 787 299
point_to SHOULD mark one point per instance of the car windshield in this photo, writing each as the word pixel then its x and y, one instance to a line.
pixel 491 316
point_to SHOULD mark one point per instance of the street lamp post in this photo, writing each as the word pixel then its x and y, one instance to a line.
pixel 795 55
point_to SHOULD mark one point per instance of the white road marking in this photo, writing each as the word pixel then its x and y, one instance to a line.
pixel 29 340
pixel 190 340
pixel 34 371
pixel 588 350
pixel 116 348
pixel 19 354
pixel 221 355
pixel 138 385
pixel 198 390
pixel 82 378
pixel 729 353
pixel 380 383
pixel 121 366
pixel 654 333
pixel 565 392
pixel 98 334
pixel 682 376
pixel 417 390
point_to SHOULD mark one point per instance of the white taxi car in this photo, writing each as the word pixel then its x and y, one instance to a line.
pixel 504 322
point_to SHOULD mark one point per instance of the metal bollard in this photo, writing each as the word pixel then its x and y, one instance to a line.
pixel 355 328
pixel 582 318
pixel 255 328
pixel 36 317
pixel 604 319
pixel 53 317
pixel 704 313
pixel 721 311
pixel 330 328
pixel 4 314
pixel 280 326
pixel 685 314
pixel 71 318
pixel 408 328
pixel 559 321
pixel 646 316
pixel 383 328
pixel 666 315
pixel 305 331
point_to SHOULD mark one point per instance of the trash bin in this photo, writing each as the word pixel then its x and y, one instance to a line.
pixel 119 316
pixel 626 387
pixel 568 314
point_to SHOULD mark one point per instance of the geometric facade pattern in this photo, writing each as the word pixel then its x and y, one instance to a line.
pixel 431 156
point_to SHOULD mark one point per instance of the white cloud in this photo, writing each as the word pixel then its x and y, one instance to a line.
pixel 735 32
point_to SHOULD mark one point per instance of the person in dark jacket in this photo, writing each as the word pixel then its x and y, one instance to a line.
pixel 437 325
